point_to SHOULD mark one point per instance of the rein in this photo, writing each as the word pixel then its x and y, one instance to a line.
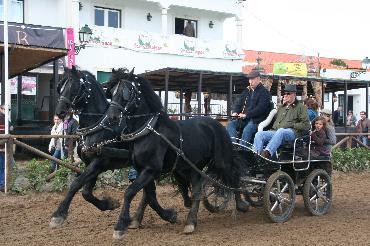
pixel 181 154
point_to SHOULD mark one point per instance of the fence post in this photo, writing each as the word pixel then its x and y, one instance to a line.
pixel 9 163
pixel 349 142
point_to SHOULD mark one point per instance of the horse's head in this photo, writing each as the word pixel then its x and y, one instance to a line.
pixel 124 92
pixel 73 89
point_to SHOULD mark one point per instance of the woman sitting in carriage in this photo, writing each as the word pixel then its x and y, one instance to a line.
pixel 318 138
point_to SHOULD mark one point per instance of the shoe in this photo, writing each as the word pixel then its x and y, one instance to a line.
pixel 266 154
pixel 2 189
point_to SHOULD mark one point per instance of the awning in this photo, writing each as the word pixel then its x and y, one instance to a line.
pixel 31 46
pixel 218 82
pixel 187 79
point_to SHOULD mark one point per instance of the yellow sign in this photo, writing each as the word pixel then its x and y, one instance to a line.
pixel 297 69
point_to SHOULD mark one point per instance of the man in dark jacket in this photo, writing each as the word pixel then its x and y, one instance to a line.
pixel 363 126
pixel 291 122
pixel 253 106
pixel 69 128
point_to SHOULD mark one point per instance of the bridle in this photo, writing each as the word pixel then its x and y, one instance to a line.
pixel 82 95
pixel 132 99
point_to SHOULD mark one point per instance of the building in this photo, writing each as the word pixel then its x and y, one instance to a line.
pixel 317 66
pixel 141 34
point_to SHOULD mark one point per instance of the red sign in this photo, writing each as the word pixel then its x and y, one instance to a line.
pixel 70 47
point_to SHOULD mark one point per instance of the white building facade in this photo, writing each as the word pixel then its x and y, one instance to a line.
pixel 356 98
pixel 142 34
pixel 120 25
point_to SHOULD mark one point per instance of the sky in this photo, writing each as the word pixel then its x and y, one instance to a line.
pixel 331 28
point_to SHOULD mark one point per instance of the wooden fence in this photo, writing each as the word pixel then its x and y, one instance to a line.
pixel 12 139
pixel 349 139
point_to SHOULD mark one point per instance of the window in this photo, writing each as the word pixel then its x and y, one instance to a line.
pixel 186 27
pixel 326 97
pixel 107 17
pixel 15 11
pixel 103 77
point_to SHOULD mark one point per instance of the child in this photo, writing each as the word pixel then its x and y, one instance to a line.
pixel 318 136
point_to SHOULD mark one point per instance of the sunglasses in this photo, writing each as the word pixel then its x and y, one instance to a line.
pixel 287 93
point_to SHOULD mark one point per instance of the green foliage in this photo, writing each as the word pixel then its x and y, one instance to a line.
pixel 114 178
pixel 36 173
pixel 62 179
pixel 15 187
pixel 338 62
pixel 355 159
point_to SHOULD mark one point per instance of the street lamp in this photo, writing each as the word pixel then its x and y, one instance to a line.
pixel 365 63
pixel 84 36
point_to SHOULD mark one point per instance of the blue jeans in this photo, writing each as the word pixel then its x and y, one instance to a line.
pixel 249 129
pixel 364 140
pixel 132 174
pixel 2 169
pixel 273 138
pixel 53 164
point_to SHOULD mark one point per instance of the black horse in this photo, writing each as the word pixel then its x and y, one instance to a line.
pixel 99 147
pixel 202 140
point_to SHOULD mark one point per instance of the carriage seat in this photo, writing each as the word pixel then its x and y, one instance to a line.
pixel 267 123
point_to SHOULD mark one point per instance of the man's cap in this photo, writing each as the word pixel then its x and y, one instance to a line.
pixel 253 74
pixel 290 88
pixel 326 111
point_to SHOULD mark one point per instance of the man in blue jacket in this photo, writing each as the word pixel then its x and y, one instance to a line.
pixel 253 106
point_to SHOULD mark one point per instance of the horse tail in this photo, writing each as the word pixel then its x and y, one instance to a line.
pixel 227 169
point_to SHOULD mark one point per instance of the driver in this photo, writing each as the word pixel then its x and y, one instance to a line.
pixel 291 121
pixel 253 106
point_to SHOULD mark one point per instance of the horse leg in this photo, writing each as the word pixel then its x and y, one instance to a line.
pixel 169 215
pixel 138 217
pixel 124 219
pixel 150 197
pixel 61 213
pixel 106 203
pixel 241 205
pixel 183 187
pixel 191 220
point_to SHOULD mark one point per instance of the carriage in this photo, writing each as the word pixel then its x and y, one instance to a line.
pixel 136 124
pixel 274 183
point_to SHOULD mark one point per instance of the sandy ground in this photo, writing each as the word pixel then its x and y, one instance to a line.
pixel 24 220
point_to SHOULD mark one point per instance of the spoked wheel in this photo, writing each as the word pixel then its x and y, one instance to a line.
pixel 317 192
pixel 215 197
pixel 279 197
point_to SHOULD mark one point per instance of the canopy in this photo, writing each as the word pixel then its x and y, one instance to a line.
pixel 31 46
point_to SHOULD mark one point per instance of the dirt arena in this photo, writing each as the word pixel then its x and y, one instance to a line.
pixel 25 221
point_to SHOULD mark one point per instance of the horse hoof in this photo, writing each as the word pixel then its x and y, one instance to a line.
pixel 56 222
pixel 173 219
pixel 115 204
pixel 110 203
pixel 187 203
pixel 242 206
pixel 189 229
pixel 118 235
pixel 134 224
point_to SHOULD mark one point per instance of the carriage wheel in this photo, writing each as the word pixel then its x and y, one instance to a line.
pixel 279 197
pixel 215 198
pixel 317 192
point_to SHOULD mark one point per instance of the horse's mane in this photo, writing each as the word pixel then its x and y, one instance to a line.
pixel 91 78
pixel 152 99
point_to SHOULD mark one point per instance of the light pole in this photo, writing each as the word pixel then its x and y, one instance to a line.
pixel 84 36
